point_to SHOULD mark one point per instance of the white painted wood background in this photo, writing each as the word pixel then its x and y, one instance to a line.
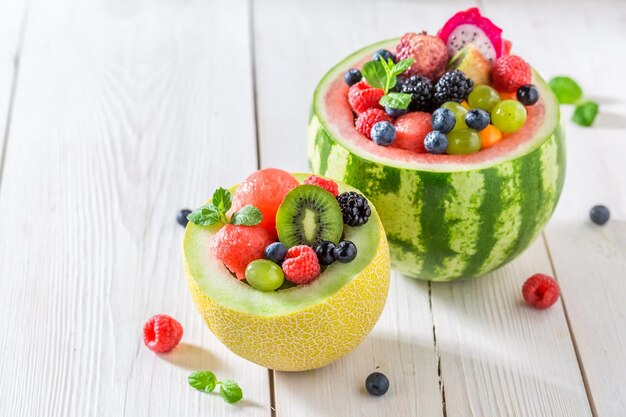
pixel 114 114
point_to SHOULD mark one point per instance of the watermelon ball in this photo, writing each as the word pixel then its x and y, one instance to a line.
pixel 377 384
pixel 384 54
pixel 181 217
pixel 508 116
pixel 477 119
pixel 275 252
pixel 265 189
pixel 264 275
pixel 352 76
pixel 411 129
pixel 325 252
pixel 345 252
pixel 599 214
pixel 528 94
pixel 383 133
pixel 395 112
pixel 436 142
pixel 443 120
pixel 236 246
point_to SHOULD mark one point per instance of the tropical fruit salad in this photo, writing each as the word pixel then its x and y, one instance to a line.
pixel 288 271
pixel 455 139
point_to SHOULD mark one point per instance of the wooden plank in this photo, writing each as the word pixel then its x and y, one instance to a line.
pixel 11 19
pixel 500 357
pixel 590 261
pixel 124 113
pixel 295 44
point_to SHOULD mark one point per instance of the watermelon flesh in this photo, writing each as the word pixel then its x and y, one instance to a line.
pixel 446 216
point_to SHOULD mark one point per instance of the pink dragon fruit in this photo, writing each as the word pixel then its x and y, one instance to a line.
pixel 470 27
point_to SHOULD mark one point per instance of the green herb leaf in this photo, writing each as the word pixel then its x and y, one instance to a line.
pixel 396 100
pixel 202 380
pixel 402 66
pixel 375 74
pixel 222 200
pixel 206 216
pixel 247 216
pixel 585 113
pixel 567 90
pixel 230 391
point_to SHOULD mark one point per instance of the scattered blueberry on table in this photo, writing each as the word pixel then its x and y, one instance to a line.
pixel 599 214
pixel 377 384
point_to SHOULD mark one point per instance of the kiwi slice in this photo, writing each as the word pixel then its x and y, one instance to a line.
pixel 308 215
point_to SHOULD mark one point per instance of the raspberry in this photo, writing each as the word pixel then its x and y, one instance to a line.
pixel 162 333
pixel 265 189
pixel 430 55
pixel 411 129
pixel 540 291
pixel 301 265
pixel 362 97
pixel 368 119
pixel 509 73
pixel 237 246
pixel 325 183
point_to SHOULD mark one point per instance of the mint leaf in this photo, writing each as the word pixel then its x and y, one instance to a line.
pixel 247 216
pixel 396 100
pixel 202 380
pixel 206 216
pixel 567 90
pixel 402 66
pixel 230 391
pixel 375 74
pixel 585 113
pixel 222 200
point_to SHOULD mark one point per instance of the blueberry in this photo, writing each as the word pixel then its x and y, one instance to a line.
pixel 352 76
pixel 385 54
pixel 325 252
pixel 527 94
pixel 275 252
pixel 383 133
pixel 395 112
pixel 599 214
pixel 377 384
pixel 345 252
pixel 443 120
pixel 436 142
pixel 477 119
pixel 181 217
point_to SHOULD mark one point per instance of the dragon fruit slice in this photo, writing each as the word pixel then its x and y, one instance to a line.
pixel 470 27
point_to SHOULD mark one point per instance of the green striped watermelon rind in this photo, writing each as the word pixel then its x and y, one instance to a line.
pixel 446 225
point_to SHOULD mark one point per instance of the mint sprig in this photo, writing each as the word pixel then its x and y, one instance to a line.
pixel 384 75
pixel 206 381
pixel 568 91
pixel 215 212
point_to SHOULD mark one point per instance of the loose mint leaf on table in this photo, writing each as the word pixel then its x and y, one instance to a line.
pixel 567 90
pixel 585 113
pixel 222 200
pixel 375 74
pixel 396 100
pixel 202 380
pixel 247 216
pixel 230 391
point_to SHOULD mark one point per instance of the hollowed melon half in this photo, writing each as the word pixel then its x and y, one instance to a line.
pixel 298 328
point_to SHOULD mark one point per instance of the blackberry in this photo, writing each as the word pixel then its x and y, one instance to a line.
pixel 452 86
pixel 355 208
pixel 398 87
pixel 421 91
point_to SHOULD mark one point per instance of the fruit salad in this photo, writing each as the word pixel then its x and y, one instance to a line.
pixel 458 92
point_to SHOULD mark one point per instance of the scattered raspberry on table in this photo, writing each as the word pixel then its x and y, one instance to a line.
pixel 162 333
pixel 540 291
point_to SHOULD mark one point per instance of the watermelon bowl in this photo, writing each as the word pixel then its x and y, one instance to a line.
pixel 298 328
pixel 447 217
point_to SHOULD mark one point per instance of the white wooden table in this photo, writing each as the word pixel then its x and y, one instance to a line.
pixel 114 114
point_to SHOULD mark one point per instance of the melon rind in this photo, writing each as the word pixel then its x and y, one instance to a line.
pixel 308 333
pixel 448 221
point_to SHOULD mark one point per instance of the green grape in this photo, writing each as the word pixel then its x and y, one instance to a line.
pixel 464 141
pixel 459 113
pixel 264 275
pixel 483 97
pixel 508 116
